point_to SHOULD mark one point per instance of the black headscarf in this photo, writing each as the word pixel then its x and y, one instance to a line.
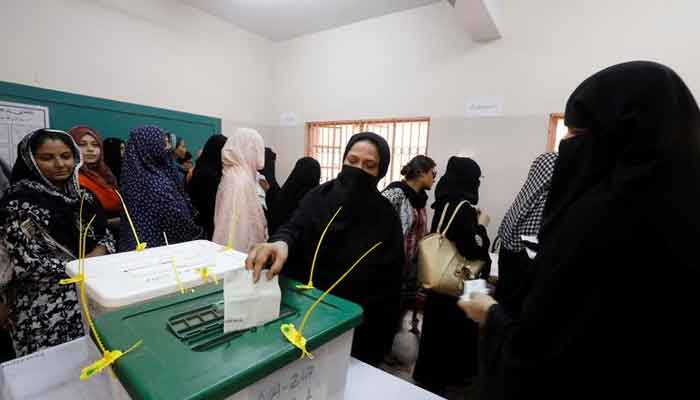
pixel 112 148
pixel 367 218
pixel 640 129
pixel 354 188
pixel 621 219
pixel 273 193
pixel 305 176
pixel 460 182
pixel 382 147
pixel 268 171
pixel 205 182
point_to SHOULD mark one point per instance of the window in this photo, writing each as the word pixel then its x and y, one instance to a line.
pixel 557 130
pixel 407 138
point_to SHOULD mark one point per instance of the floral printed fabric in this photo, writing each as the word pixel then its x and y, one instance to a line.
pixel 44 313
pixel 413 226
pixel 39 232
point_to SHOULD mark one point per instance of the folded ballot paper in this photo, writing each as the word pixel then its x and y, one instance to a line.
pixel 246 304
pixel 473 287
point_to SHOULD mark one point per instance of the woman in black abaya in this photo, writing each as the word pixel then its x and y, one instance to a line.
pixel 613 296
pixel 366 219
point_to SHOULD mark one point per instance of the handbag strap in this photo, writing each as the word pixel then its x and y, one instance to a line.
pixel 496 246
pixel 454 214
pixel 442 218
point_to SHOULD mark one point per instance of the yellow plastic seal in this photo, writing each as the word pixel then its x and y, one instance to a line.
pixel 296 337
pixel 140 246
pixel 310 285
pixel 108 357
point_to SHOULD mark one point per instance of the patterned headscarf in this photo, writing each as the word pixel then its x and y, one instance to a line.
pixel 59 207
pixel 98 172
pixel 525 215
pixel 26 169
pixel 153 193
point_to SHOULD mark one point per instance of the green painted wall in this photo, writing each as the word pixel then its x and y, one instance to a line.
pixel 112 118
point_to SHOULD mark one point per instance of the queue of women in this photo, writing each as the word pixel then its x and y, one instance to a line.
pixel 596 260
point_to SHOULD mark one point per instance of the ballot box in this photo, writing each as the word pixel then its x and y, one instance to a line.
pixel 117 280
pixel 184 353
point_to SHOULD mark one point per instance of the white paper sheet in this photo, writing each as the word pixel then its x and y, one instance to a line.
pixel 484 106
pixel 16 121
pixel 531 239
pixel 473 287
pixel 247 305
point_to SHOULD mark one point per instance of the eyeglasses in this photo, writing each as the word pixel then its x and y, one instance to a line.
pixel 434 173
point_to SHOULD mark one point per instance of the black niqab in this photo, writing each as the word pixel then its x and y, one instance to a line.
pixel 460 182
pixel 366 219
pixel 112 148
pixel 305 176
pixel 615 280
pixel 205 182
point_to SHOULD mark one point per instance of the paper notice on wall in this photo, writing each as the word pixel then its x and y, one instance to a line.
pixel 16 121
pixel 248 304
pixel 484 106
pixel 289 119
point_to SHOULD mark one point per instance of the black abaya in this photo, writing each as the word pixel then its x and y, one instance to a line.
pixel 448 337
pixel 366 219
pixel 613 294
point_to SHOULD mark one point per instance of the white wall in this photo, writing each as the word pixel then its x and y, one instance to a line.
pixel 415 63
pixel 154 52
pixel 422 63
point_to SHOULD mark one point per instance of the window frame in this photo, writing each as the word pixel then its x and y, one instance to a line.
pixel 554 119
pixel 363 126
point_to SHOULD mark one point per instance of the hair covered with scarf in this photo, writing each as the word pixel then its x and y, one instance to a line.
pixel 99 171
pixel 239 218
pixel 154 194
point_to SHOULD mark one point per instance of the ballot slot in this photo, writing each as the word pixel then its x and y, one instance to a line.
pixel 202 328
pixel 185 333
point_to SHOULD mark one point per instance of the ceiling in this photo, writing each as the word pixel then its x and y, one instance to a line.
pixel 280 20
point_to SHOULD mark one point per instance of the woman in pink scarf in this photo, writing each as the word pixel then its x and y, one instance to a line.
pixel 239 218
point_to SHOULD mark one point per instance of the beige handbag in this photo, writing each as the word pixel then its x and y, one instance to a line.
pixel 440 266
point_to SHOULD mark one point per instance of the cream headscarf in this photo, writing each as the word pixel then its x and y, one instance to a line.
pixel 239 219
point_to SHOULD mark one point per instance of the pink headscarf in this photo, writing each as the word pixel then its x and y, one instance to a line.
pixel 237 203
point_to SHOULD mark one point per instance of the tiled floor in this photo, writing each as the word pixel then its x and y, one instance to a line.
pixel 405 371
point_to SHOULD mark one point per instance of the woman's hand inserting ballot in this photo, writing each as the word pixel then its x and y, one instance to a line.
pixel 265 253
pixel 477 307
